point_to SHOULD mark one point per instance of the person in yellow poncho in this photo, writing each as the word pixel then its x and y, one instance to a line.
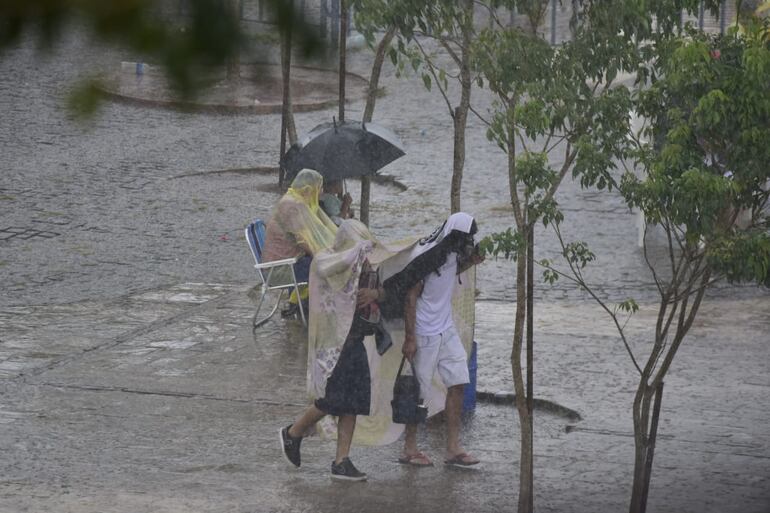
pixel 298 227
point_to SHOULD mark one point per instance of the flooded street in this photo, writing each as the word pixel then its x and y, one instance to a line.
pixel 131 381
pixel 100 210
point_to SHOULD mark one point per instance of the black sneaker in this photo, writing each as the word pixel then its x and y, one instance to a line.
pixel 346 471
pixel 290 446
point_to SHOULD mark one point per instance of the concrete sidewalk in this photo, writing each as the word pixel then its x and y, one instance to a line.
pixel 164 401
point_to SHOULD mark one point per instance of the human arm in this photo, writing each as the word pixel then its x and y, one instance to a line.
pixel 410 318
pixel 345 211
pixel 304 247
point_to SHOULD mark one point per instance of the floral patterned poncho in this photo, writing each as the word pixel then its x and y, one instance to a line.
pixel 334 277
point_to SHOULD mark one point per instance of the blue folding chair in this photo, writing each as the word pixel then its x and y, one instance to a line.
pixel 255 236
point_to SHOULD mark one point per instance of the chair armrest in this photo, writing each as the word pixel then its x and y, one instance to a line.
pixel 276 263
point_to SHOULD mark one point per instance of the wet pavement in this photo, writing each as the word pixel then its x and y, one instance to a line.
pixel 165 401
pixel 130 379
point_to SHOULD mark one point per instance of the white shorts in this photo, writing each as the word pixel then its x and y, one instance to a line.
pixel 443 353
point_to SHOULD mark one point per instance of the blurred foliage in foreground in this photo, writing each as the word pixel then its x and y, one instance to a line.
pixel 206 38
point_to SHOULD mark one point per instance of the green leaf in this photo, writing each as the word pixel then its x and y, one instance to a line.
pixel 426 80
pixel 84 99
pixel 629 305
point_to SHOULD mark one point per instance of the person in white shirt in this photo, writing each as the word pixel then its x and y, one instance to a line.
pixel 431 340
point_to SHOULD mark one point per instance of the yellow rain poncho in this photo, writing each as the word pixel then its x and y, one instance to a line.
pixel 299 214
pixel 298 224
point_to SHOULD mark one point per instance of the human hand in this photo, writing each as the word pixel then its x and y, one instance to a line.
pixel 476 256
pixel 410 347
pixel 347 199
pixel 366 297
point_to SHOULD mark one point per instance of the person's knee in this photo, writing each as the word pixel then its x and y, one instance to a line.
pixel 456 389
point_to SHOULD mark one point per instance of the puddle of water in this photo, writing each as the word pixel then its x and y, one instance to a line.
pixel 173 344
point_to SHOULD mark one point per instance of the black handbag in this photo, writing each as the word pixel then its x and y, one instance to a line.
pixel 406 404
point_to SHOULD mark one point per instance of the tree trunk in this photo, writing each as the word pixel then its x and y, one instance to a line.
pixel 234 62
pixel 342 50
pixel 684 288
pixel 371 99
pixel 287 116
pixel 644 441
pixel 530 360
pixel 525 422
pixel 374 80
pixel 651 446
pixel 461 111
pixel 640 446
pixel 523 403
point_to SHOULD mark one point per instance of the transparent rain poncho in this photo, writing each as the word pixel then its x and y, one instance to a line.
pixel 299 214
pixel 334 279
pixel 353 241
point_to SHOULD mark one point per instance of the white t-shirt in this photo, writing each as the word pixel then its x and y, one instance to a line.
pixel 434 306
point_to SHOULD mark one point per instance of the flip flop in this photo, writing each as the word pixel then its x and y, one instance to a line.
pixel 418 459
pixel 461 461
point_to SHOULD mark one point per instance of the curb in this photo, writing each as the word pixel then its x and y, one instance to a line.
pixel 218 108
pixel 379 179
pixel 540 404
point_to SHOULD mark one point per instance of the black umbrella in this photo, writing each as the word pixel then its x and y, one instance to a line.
pixel 343 150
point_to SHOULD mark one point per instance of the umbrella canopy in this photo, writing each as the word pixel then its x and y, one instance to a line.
pixel 343 150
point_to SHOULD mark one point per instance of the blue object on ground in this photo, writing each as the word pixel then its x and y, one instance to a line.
pixel 469 399
pixel 302 269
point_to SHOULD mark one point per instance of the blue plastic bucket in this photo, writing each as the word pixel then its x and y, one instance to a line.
pixel 469 399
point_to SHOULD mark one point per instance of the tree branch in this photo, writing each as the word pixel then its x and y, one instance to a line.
pixel 451 52
pixel 568 159
pixel 580 281
pixel 435 78
pixel 683 329
pixel 478 115
pixel 647 259
pixel 518 214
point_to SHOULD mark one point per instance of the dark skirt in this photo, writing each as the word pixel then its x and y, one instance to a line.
pixel 348 389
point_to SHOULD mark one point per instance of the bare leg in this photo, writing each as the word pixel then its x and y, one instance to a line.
pixel 453 406
pixel 306 421
pixel 346 425
pixel 410 442
pixel 412 454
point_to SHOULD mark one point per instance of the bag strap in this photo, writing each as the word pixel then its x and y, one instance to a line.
pixel 400 367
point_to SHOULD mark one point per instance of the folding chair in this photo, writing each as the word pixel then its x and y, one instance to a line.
pixel 255 236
